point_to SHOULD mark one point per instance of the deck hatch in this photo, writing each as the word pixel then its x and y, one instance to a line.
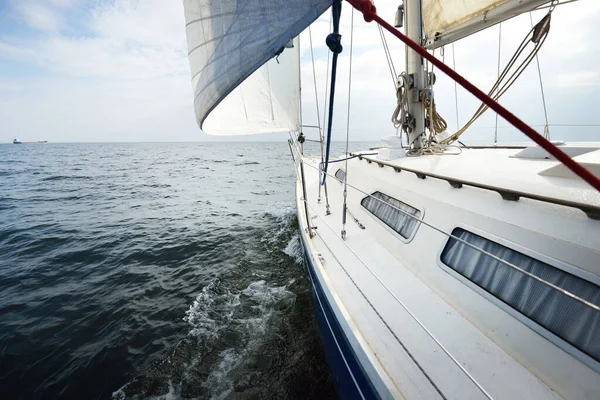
pixel 567 318
pixel 396 214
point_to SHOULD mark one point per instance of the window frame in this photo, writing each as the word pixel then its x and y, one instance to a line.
pixel 520 317
pixel 386 226
pixel 341 181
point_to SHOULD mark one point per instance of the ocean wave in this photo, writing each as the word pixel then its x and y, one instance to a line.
pixel 247 163
pixel 65 177
pixel 157 185
pixel 281 211
pixel 227 327
pixel 242 316
pixel 101 268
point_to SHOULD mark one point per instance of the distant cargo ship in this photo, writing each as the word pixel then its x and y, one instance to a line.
pixel 17 141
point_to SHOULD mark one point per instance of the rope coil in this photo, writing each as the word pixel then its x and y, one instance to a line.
pixel 437 124
pixel 370 13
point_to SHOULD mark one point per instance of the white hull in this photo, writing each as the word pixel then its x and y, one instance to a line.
pixel 420 328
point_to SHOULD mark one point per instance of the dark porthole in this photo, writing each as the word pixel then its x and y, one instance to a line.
pixel 396 214
pixel 567 318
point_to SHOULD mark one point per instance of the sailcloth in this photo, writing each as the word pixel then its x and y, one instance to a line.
pixel 239 88
pixel 446 21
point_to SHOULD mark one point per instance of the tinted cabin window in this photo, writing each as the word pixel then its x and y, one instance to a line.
pixel 567 318
pixel 397 215
pixel 340 174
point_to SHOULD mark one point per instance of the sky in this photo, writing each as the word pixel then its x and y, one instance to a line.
pixel 117 71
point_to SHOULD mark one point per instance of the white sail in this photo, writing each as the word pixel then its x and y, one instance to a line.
pixel 267 101
pixel 228 42
pixel 445 21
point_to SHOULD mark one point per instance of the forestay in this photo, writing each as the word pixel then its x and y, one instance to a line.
pixel 229 42
pixel 446 21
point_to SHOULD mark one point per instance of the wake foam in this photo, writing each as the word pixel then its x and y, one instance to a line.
pixel 281 211
pixel 229 328
pixel 294 249
pixel 236 322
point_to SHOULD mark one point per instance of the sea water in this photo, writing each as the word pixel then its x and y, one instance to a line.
pixel 154 270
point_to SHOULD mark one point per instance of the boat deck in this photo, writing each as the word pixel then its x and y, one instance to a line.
pixel 513 172
pixel 417 342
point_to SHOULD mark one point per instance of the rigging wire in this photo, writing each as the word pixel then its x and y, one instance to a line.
pixel 455 87
pixel 369 12
pixel 498 73
pixel 478 249
pixel 400 302
pixel 345 208
pixel 388 57
pixel 351 157
pixel 324 119
pixel 555 4
pixel 312 56
pixel 537 60
pixel 412 357
pixel 334 43
pixel 321 139
pixel 537 35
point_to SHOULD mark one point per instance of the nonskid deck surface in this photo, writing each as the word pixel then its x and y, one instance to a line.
pixel 418 343
pixel 530 170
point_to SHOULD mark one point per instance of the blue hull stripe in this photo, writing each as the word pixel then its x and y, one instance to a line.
pixel 350 378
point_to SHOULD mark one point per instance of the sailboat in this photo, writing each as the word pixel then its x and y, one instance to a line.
pixel 438 270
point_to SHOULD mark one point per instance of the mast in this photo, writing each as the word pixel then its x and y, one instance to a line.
pixel 416 70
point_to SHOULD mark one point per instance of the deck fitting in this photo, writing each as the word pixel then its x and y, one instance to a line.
pixel 509 195
pixel 592 214
pixel 592 211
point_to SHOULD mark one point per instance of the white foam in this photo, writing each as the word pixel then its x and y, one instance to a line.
pixel 294 249
pixel 209 302
pixel 170 395
pixel 281 211
pixel 218 382
pixel 119 394
pixel 215 310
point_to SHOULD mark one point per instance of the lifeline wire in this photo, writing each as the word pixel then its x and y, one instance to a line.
pixel 370 14
pixel 500 260
pixel 348 127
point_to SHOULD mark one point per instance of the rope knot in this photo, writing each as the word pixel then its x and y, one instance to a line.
pixel 334 42
pixel 366 7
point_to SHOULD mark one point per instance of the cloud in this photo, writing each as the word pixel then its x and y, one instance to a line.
pixel 39 15
pixel 129 40
pixel 118 71
pixel 579 78
pixel 123 76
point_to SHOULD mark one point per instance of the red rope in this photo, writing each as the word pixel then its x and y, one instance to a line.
pixel 370 14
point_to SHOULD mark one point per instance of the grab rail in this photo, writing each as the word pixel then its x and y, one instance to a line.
pixel 591 211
